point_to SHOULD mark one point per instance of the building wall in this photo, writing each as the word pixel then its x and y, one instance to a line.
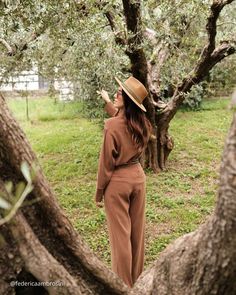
pixel 27 80
pixel 32 81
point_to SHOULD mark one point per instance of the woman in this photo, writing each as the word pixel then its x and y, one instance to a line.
pixel 121 179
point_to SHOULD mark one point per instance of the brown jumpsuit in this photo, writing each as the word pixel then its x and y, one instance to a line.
pixel 123 188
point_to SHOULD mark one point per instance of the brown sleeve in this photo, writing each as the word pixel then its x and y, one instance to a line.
pixel 106 163
pixel 110 109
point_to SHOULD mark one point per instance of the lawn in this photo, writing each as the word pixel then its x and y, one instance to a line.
pixel 178 199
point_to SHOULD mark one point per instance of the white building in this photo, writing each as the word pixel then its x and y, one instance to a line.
pixel 26 80
pixel 32 81
pixel 65 89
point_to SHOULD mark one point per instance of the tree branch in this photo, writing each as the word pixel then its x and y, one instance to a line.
pixel 134 41
pixel 7 45
pixel 211 29
pixel 161 53
pixel 159 56
pixel 19 48
pixel 150 35
pixel 25 45
pixel 39 262
pixel 209 57
pixel 111 20
pixel 132 14
pixel 119 39
pixel 225 2
pixel 225 49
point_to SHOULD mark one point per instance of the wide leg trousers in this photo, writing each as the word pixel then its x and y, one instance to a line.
pixel 124 202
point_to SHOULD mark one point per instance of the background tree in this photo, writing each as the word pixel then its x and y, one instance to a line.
pixel 170 46
pixel 167 45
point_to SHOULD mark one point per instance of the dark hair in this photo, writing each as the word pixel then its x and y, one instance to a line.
pixel 137 123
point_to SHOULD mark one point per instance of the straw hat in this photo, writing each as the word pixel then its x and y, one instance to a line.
pixel 135 90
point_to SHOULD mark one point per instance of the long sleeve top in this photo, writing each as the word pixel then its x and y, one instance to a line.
pixel 111 109
pixel 117 149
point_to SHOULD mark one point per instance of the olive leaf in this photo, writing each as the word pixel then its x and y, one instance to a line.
pixel 4 204
pixel 25 169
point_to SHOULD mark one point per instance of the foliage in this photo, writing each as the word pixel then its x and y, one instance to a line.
pixel 193 100
pixel 80 49
pixel 222 78
pixel 16 195
pixel 75 40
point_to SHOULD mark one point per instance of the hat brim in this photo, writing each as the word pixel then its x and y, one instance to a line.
pixel 122 85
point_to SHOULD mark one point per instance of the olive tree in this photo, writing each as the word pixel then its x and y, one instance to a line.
pixel 171 46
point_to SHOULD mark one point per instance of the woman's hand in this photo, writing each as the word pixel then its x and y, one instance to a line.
pixel 99 204
pixel 104 95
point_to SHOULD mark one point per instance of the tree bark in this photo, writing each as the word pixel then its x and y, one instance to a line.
pixel 39 262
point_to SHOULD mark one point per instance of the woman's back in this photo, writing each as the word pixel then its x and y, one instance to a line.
pixel 124 148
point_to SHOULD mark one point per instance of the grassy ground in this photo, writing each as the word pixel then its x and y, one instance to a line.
pixel 178 199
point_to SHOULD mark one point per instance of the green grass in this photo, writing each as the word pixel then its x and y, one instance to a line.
pixel 44 109
pixel 178 199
